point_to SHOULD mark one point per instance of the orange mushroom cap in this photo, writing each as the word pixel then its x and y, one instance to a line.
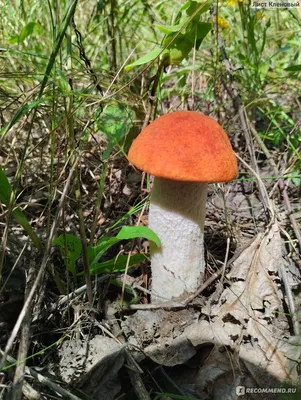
pixel 185 146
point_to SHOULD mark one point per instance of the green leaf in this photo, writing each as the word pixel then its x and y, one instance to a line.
pixel 179 49
pixel 5 188
pixel 116 264
pixel 184 42
pixel 171 28
pixel 62 81
pixel 71 249
pixel 293 68
pixel 145 59
pixel 129 289
pixel 115 122
pixel 14 39
pixel 263 69
pixel 125 233
pixel 184 7
pixel 28 30
pixel 194 5
pixel 131 232
pixel 198 32
pixel 96 252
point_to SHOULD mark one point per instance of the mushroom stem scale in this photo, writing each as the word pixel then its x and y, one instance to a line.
pixel 177 213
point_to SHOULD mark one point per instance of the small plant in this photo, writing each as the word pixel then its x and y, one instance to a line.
pixel 187 32
pixel 71 248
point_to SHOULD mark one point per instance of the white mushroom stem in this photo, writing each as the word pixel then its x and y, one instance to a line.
pixel 177 213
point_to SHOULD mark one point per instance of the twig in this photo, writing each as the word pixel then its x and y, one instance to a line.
pixel 29 392
pixel 42 379
pixel 77 292
pixel 290 299
pixel 226 259
pixel 169 305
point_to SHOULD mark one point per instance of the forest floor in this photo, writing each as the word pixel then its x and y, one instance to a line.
pixel 239 330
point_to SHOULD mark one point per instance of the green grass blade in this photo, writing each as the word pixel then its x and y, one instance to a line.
pixel 116 264
pixel 132 232
pixel 60 37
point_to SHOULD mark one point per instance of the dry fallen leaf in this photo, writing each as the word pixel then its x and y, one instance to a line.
pixel 249 315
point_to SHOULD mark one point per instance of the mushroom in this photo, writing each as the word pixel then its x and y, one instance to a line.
pixel 184 150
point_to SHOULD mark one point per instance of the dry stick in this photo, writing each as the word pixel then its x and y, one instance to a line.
pixel 134 369
pixel 171 381
pixel 25 337
pixel 43 380
pixel 71 135
pixel 124 277
pixel 77 292
pixel 29 392
pixel 173 305
pixel 281 184
pixel 226 259
pixel 42 268
pixel 112 33
pixel 290 300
